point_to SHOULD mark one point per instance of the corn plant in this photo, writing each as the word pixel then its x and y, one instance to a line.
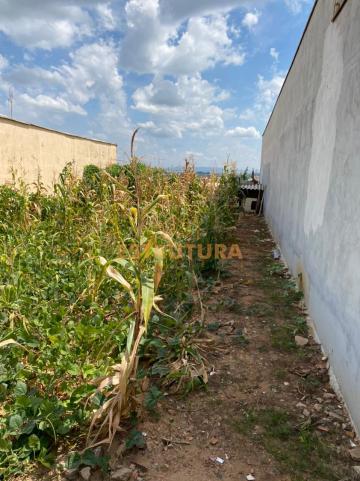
pixel 89 292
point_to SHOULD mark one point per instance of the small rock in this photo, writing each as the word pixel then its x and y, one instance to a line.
pixel 85 473
pixel 71 473
pixel 121 474
pixel 317 407
pixel 301 405
pixel 336 416
pixel 276 254
pixel 356 471
pixel 329 395
pixel 250 477
pixel 355 453
pixel 301 341
pixel 306 413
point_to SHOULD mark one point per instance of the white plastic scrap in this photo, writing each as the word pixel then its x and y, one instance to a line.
pixel 216 459
pixel 250 477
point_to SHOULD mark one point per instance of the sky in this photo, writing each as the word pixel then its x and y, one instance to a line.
pixel 199 77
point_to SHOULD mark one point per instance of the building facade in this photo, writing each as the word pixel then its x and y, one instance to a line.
pixel 33 152
pixel 311 169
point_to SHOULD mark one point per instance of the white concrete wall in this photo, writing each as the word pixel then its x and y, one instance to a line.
pixel 33 150
pixel 311 167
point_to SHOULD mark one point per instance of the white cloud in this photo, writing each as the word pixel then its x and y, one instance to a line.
pixel 50 104
pixel 169 49
pixel 269 89
pixel 296 6
pixel 47 24
pixel 250 20
pixel 91 75
pixel 106 16
pixel 244 132
pixel 274 54
pixel 247 114
pixel 189 104
pixel 160 96
pixel 3 62
pixel 175 10
pixel 266 93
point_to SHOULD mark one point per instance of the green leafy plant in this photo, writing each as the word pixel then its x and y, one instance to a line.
pixel 89 291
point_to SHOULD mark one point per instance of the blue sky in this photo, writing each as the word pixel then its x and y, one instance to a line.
pixel 199 77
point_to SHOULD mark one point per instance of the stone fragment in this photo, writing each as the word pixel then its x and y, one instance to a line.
pixel 301 341
pixel 356 472
pixel 71 473
pixel 121 474
pixel 355 453
pixel 329 395
pixel 85 473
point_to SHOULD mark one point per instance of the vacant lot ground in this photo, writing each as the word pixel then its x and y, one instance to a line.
pixel 269 412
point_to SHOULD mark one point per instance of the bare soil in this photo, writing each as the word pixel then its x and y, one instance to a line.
pixel 268 410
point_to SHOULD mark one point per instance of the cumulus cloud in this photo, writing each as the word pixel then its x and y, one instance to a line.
pixel 48 24
pixel 50 104
pixel 250 20
pixel 175 10
pixel 106 16
pixel 90 75
pixel 244 132
pixel 266 93
pixel 189 104
pixel 269 89
pixel 170 49
pixel 168 46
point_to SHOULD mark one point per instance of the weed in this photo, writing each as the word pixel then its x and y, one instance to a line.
pixel 283 335
pixel 299 451
pixel 240 338
pixel 281 374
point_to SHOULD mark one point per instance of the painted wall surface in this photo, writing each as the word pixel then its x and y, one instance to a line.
pixel 311 169
pixel 32 150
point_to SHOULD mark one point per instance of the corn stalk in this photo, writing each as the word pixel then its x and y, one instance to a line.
pixel 139 274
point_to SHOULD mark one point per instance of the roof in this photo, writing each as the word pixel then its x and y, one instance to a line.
pixel 8 119
pixel 252 187
pixel 292 63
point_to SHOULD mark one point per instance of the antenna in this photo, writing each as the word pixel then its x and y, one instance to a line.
pixel 11 101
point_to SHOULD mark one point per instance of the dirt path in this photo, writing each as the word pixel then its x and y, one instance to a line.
pixel 268 412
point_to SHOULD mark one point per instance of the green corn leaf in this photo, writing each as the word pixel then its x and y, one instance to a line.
pixel 147 299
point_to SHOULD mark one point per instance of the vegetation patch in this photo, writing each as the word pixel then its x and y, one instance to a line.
pixel 94 309
pixel 298 449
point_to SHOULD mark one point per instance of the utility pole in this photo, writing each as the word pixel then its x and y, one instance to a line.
pixel 11 101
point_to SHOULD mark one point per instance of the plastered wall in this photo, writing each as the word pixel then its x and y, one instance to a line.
pixel 311 169
pixel 32 151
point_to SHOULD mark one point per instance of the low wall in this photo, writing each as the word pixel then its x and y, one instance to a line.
pixel 311 169
pixel 31 151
